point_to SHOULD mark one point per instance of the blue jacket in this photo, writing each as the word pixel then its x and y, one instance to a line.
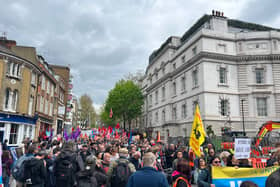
pixel 147 176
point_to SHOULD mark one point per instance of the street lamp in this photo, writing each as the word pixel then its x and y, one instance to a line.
pixel 242 100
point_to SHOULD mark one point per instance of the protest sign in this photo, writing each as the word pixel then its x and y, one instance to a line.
pixel 242 148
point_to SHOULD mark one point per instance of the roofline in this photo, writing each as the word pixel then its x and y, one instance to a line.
pixel 60 66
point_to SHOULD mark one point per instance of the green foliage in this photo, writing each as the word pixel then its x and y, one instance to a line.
pixel 87 110
pixel 105 119
pixel 126 101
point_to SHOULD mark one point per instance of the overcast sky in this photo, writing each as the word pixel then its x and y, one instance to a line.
pixel 104 40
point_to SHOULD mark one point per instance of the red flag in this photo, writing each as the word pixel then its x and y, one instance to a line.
pixel 117 126
pixel 111 113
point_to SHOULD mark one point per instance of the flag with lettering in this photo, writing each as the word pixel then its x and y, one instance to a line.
pixel 197 134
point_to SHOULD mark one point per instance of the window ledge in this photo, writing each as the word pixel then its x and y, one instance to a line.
pixel 223 85
pixel 13 76
pixel 184 91
pixel 174 96
pixel 194 87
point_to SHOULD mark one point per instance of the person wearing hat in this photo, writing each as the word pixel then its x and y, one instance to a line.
pixel 120 170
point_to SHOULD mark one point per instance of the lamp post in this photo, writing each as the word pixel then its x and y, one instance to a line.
pixel 242 100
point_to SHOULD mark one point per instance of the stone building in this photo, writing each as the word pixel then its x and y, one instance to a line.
pixel 230 68
pixel 18 86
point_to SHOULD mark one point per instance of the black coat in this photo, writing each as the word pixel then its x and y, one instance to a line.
pixel 38 172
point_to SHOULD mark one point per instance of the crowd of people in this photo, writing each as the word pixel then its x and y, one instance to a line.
pixel 100 162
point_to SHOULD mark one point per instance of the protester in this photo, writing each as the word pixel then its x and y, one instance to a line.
pixel 135 160
pixel 182 175
pixel 179 155
pixel 36 173
pixel 5 145
pixel 106 161
pixel 204 176
pixel 148 175
pixel 224 156
pixel 273 179
pixel 248 184
pixel 66 166
pixel 114 154
pixel 170 154
pixel 7 162
pixel 120 170
pixel 211 155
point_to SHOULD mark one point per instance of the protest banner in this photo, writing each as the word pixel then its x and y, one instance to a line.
pixel 242 148
pixel 233 177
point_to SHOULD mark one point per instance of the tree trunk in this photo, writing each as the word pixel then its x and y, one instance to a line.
pixel 124 122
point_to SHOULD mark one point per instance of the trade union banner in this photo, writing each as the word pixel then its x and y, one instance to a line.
pixel 233 177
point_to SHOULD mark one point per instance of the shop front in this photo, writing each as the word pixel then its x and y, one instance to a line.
pixel 15 128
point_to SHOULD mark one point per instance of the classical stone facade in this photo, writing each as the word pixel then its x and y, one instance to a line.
pixel 221 64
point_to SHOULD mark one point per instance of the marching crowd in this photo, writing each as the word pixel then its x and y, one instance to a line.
pixel 100 162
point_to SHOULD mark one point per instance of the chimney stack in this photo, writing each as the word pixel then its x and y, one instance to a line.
pixel 7 43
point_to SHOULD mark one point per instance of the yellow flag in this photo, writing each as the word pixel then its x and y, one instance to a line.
pixel 198 134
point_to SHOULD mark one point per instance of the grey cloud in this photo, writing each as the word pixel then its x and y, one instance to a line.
pixel 104 40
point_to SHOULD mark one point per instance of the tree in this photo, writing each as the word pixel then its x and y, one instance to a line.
pixel 87 111
pixel 126 101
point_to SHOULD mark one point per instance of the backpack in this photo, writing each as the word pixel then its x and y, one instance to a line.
pixel 181 178
pixel 86 179
pixel 31 171
pixel 18 171
pixel 120 174
pixel 64 171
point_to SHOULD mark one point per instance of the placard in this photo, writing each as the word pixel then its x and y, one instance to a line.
pixel 242 148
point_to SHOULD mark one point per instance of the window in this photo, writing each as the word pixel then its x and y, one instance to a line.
pixel 194 105
pixel 151 100
pixel 262 106
pixel 183 83
pixel 30 107
pixel 156 97
pixel 174 66
pixel 194 50
pixel 52 90
pixel 30 132
pixel 222 75
pixel 42 104
pixel 33 78
pixel 51 109
pixel 195 78
pixel 11 98
pixel 174 112
pixel 43 83
pixel 184 111
pixel 48 87
pixel 46 106
pixel 7 98
pixel 275 45
pixel 13 134
pixel 183 59
pixel 163 115
pixel 259 75
pixel 156 74
pixel 156 116
pixel 14 100
pixel 163 70
pixel 24 132
pixel 240 46
pixel 224 105
pixel 174 88
pixel 13 69
pixel 163 93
